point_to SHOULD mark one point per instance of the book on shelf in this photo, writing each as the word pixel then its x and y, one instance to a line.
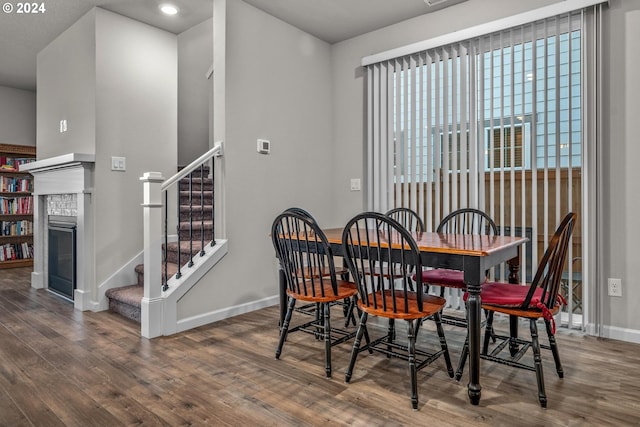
pixel 20 205
pixel 16 228
pixel 10 184
pixel 14 251
pixel 12 164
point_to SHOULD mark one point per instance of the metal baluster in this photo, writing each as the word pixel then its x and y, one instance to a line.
pixel 178 273
pixel 165 281
pixel 191 220
pixel 213 207
pixel 202 209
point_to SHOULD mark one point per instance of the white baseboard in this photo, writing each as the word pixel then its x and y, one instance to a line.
pixel 616 333
pixel 225 313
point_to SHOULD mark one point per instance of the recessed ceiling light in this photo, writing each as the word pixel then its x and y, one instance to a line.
pixel 168 9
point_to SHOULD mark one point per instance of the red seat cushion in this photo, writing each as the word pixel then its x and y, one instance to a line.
pixel 511 296
pixel 506 294
pixel 444 277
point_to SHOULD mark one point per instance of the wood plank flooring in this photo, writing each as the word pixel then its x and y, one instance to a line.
pixel 59 366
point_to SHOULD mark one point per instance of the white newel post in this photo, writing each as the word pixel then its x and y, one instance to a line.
pixel 152 302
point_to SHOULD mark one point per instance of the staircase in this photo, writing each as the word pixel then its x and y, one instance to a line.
pixel 194 231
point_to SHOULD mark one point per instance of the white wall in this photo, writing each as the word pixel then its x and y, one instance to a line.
pixel 136 118
pixel 17 116
pixel 621 148
pixel 195 57
pixel 66 90
pixel 114 80
pixel 277 87
pixel 621 152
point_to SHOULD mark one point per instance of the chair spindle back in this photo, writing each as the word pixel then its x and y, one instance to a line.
pixel 304 253
pixel 375 242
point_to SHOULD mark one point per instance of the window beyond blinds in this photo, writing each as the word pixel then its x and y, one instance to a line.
pixel 493 123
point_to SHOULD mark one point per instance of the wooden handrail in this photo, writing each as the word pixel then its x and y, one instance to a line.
pixel 215 151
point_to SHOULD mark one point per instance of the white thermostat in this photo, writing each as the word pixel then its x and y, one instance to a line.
pixel 264 146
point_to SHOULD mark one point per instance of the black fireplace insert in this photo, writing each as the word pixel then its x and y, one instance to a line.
pixel 62 258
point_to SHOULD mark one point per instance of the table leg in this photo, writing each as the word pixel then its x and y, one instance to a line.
pixel 514 268
pixel 474 307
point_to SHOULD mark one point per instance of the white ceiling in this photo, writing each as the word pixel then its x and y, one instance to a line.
pixel 22 36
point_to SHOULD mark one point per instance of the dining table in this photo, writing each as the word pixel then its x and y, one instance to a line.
pixel 474 255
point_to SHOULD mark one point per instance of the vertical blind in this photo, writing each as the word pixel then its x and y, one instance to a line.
pixel 494 123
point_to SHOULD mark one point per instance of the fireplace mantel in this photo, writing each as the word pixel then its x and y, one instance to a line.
pixel 67 174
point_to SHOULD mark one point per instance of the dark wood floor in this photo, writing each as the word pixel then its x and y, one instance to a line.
pixel 63 367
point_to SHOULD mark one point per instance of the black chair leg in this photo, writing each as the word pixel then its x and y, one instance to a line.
pixel 537 360
pixel 464 354
pixel 318 314
pixel 391 335
pixel 493 332
pixel 514 347
pixel 356 346
pixel 554 349
pixel 327 338
pixel 413 372
pixel 348 305
pixel 443 343
pixel 285 326
pixel 488 332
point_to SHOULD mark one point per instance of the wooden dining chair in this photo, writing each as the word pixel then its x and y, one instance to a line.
pixel 371 241
pixel 408 218
pixel 311 309
pixel 411 221
pixel 539 300
pixel 307 261
pixel 461 221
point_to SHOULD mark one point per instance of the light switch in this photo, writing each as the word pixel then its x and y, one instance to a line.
pixel 118 164
pixel 355 184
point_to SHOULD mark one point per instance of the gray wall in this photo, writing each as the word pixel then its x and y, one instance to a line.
pixel 195 57
pixel 66 81
pixel 136 114
pixel 17 116
pixel 277 87
pixel 115 80
pixel 621 149
pixel 621 153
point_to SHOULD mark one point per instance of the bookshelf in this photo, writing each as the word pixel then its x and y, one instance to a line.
pixel 16 206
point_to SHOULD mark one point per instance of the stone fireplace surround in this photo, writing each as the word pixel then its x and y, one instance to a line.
pixel 63 187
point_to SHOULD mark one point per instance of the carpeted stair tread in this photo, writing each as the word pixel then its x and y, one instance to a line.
pixel 196 184
pixel 126 301
pixel 207 194
pixel 171 269
pixel 197 225
pixel 131 294
pixel 185 246
pixel 186 250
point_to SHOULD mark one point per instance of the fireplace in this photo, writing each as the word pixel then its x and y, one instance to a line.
pixel 63 187
pixel 62 258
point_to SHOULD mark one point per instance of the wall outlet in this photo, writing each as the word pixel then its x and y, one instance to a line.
pixel 264 146
pixel 615 287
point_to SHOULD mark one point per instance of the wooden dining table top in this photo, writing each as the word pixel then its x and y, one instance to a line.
pixel 458 244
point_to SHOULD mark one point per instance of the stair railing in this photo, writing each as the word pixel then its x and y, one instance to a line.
pixel 198 165
pixel 155 207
